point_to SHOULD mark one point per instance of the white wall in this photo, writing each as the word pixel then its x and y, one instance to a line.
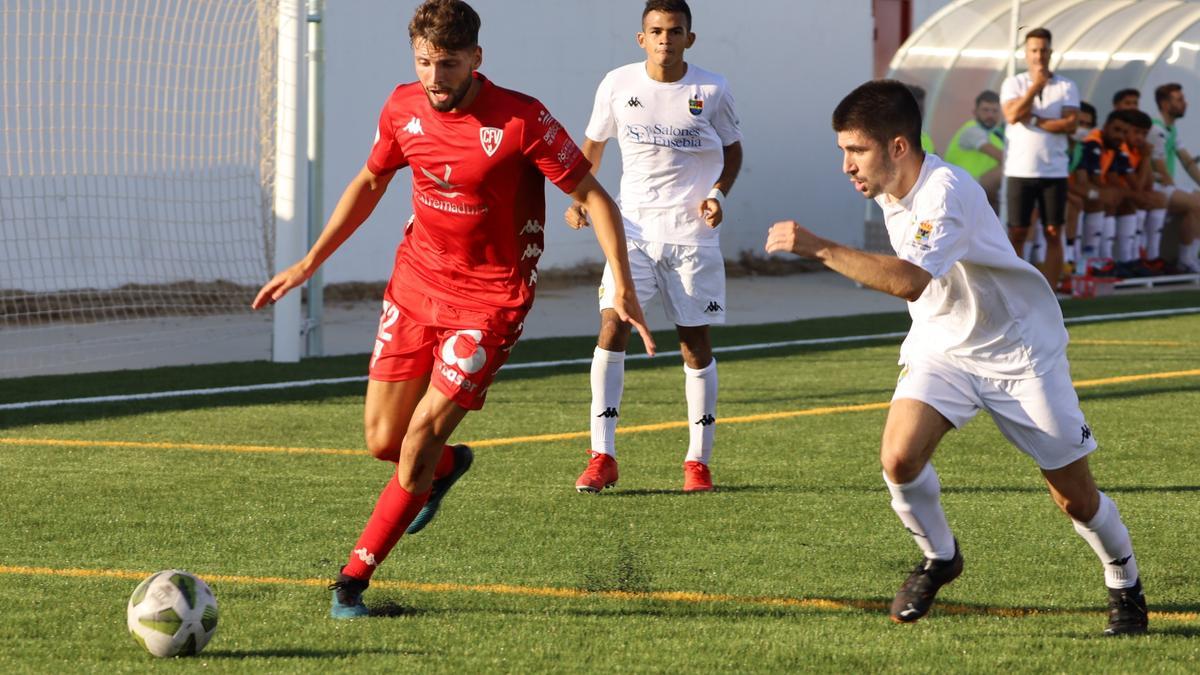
pixel 788 61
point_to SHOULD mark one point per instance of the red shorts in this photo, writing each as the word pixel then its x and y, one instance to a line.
pixel 461 362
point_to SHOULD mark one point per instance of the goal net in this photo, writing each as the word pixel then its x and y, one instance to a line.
pixel 136 200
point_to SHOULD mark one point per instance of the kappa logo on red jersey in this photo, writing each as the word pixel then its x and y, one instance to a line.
pixel 490 138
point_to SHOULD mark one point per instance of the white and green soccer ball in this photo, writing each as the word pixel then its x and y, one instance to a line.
pixel 172 613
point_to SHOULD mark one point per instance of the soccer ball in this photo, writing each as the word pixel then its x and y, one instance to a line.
pixel 172 613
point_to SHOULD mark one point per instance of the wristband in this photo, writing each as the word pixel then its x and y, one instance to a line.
pixel 1093 194
pixel 717 195
pixel 1033 120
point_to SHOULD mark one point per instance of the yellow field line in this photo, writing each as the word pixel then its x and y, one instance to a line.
pixel 542 438
pixel 683 597
pixel 1130 343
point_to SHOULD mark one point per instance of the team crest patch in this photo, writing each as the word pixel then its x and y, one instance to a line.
pixel 923 231
pixel 490 138
pixel 695 106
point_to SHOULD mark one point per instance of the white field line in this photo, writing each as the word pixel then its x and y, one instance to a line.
pixel 540 364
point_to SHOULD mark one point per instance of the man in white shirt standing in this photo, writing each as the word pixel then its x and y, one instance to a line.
pixel 1041 110
pixel 987 334
pixel 681 150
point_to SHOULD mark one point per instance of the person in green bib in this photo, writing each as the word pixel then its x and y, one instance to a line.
pixel 978 146
pixel 918 93
pixel 1169 153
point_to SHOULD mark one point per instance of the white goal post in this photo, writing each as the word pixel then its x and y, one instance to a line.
pixel 153 178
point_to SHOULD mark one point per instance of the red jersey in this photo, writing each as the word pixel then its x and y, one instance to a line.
pixel 479 202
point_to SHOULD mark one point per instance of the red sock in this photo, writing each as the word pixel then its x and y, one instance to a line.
pixel 446 464
pixel 393 513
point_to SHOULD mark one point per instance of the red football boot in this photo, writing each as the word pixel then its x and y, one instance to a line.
pixel 696 477
pixel 601 472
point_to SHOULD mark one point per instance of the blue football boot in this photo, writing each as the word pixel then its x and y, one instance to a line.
pixel 462 461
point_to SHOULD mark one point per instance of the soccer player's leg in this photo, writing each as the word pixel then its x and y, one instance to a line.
pixel 1041 416
pixel 404 495
pixel 467 361
pixel 693 283
pixel 931 398
pixel 608 372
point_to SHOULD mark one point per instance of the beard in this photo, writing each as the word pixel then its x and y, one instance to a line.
pixel 455 98
pixel 887 172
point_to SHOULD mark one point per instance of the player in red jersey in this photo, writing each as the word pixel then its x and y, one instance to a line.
pixel 465 272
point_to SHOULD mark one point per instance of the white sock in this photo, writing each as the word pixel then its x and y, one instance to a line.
pixel 1093 231
pixel 1153 231
pixel 919 506
pixel 1109 538
pixel 1108 236
pixel 1138 237
pixel 1039 245
pixel 1125 246
pixel 700 387
pixel 608 383
pixel 1188 264
pixel 1027 249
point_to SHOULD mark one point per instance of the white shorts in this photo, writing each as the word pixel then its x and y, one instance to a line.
pixel 1039 415
pixel 1167 190
pixel 690 278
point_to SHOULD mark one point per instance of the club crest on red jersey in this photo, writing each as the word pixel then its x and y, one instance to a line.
pixel 695 105
pixel 490 138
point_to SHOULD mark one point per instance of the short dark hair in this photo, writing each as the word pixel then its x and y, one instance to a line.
pixel 1038 33
pixel 1088 108
pixel 669 7
pixel 987 96
pixel 1125 93
pixel 917 91
pixel 1135 118
pixel 449 25
pixel 1163 93
pixel 883 110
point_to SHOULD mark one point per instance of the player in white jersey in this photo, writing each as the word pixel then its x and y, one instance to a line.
pixel 681 149
pixel 987 334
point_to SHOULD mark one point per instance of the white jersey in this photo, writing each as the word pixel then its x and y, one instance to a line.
pixel 672 137
pixel 1033 152
pixel 988 311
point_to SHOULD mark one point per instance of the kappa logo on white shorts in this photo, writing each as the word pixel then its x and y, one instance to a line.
pixel 490 138
pixel 464 351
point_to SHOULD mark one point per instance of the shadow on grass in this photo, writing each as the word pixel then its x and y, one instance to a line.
pixel 1041 489
pixel 678 492
pixel 300 653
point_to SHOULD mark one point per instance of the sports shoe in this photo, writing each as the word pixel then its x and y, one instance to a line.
pixel 601 472
pixel 916 594
pixel 1126 611
pixel 462 461
pixel 347 598
pixel 696 477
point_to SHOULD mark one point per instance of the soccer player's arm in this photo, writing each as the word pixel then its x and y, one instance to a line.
pixel 1158 159
pixel 576 215
pixel 610 232
pixel 356 204
pixel 601 127
pixel 728 127
pixel 885 273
